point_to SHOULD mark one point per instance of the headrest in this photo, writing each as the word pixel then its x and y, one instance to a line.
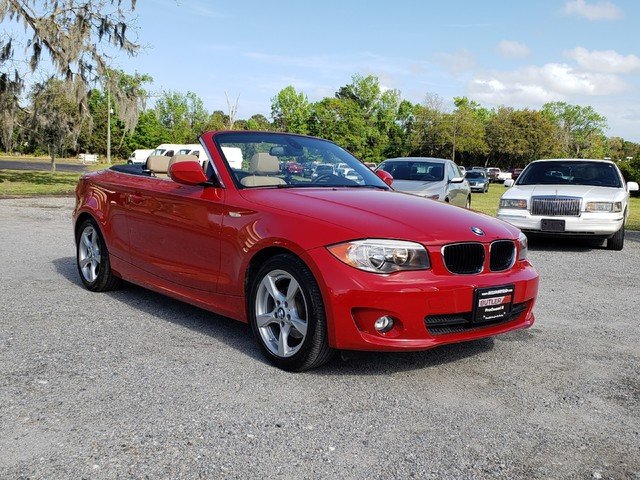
pixel 263 163
pixel 183 158
pixel 158 163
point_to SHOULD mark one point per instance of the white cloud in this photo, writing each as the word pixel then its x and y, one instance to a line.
pixel 605 61
pixel 535 85
pixel 597 11
pixel 512 49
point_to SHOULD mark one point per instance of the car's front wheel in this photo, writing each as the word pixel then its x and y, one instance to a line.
pixel 92 259
pixel 617 241
pixel 287 314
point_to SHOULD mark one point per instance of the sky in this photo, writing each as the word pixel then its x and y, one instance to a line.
pixel 496 52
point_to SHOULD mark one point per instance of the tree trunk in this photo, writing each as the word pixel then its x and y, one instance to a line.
pixel 52 152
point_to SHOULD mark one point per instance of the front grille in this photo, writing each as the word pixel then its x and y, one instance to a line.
pixel 502 255
pixel 462 322
pixel 554 206
pixel 464 258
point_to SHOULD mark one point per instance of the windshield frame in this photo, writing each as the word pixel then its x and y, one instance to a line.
pixel 307 145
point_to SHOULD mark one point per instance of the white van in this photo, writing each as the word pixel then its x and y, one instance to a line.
pixel 195 149
pixel 167 149
pixel 138 157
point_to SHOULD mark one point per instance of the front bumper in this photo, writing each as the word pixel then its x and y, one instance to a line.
pixel 355 299
pixel 478 187
pixel 587 224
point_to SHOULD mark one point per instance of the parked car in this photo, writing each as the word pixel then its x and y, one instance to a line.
pixel 478 181
pixel 569 197
pixel 312 265
pixel 515 173
pixel 322 169
pixel 308 168
pixel 434 178
pixel 496 175
pixel 293 168
pixel 353 175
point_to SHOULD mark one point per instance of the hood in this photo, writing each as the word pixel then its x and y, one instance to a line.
pixel 419 188
pixel 384 214
pixel 588 192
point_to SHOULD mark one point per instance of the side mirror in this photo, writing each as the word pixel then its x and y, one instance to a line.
pixel 632 186
pixel 385 176
pixel 508 183
pixel 457 180
pixel 187 173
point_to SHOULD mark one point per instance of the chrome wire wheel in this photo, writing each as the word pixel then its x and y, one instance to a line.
pixel 281 313
pixel 89 255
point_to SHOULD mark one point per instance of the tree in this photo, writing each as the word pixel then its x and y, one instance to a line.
pixel 258 122
pixel 72 34
pixel 516 137
pixel 183 115
pixel 291 111
pixel 467 130
pixel 128 98
pixel 578 125
pixel 339 121
pixel 377 109
pixel 56 119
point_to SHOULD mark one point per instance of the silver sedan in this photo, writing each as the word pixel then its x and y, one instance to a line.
pixel 435 178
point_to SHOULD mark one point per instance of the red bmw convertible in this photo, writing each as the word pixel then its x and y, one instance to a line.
pixel 314 265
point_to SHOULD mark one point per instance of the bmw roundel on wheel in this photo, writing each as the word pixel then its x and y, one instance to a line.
pixel 316 259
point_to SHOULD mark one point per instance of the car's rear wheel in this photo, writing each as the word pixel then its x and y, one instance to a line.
pixel 287 314
pixel 92 256
pixel 617 241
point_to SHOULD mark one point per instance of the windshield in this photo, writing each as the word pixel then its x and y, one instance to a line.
pixel 276 160
pixel 474 174
pixel 570 173
pixel 421 171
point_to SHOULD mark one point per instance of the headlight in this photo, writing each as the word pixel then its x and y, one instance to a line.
pixel 513 203
pixel 523 247
pixel 606 207
pixel 382 256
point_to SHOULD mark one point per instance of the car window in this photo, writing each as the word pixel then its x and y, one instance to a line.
pixel 570 173
pixel 475 174
pixel 417 170
pixel 278 160
pixel 452 172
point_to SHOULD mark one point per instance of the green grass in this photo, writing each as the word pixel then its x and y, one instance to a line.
pixel 488 203
pixel 28 183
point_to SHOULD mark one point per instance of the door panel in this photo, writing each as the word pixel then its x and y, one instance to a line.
pixel 175 231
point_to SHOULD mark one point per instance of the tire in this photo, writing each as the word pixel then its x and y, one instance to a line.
pixel 617 241
pixel 468 202
pixel 486 189
pixel 285 298
pixel 92 259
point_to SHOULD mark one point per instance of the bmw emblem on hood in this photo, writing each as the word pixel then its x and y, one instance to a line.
pixel 477 231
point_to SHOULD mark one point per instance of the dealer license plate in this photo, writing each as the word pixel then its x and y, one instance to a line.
pixel 549 225
pixel 493 304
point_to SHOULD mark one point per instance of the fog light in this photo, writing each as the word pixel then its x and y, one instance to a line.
pixel 383 324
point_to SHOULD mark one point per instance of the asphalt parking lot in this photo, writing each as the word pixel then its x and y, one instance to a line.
pixel 133 384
